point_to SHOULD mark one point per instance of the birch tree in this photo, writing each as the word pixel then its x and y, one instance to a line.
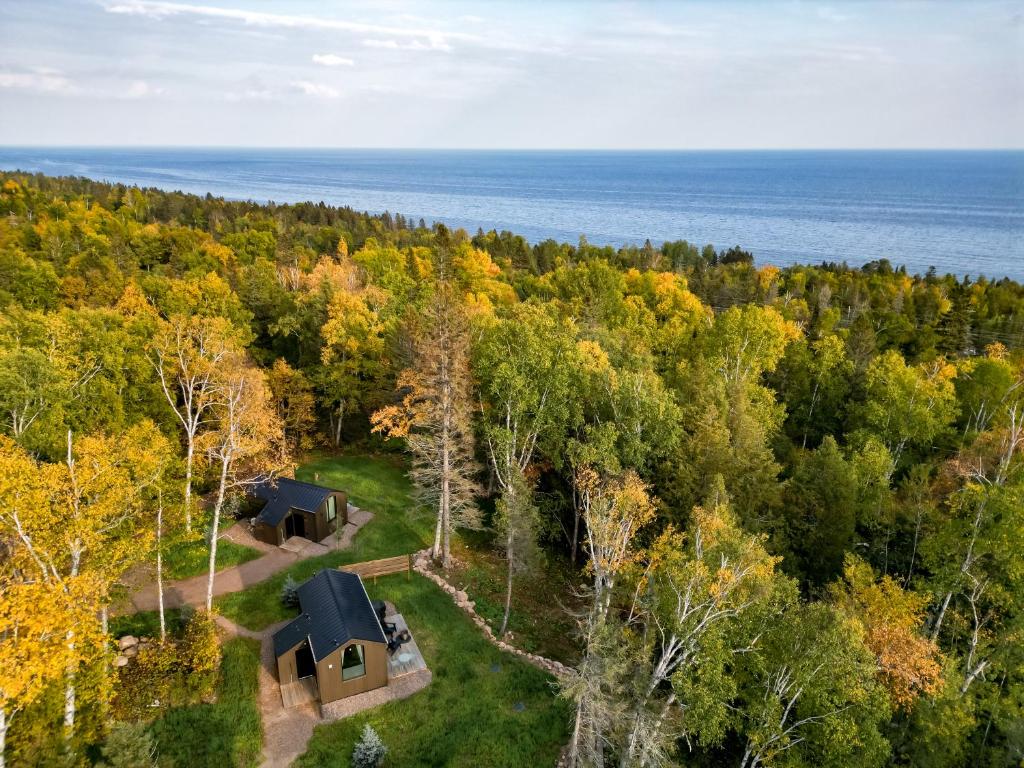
pixel 188 353
pixel 523 362
pixel 613 512
pixel 246 446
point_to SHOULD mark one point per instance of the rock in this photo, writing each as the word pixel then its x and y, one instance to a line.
pixel 127 642
pixel 121 661
pixel 461 597
pixel 131 650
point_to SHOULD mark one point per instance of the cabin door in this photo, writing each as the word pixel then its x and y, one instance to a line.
pixel 295 525
pixel 304 664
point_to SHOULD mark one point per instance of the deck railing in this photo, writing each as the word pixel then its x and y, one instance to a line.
pixel 383 567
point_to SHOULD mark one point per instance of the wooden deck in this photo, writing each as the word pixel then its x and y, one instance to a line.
pixel 300 692
pixel 406 659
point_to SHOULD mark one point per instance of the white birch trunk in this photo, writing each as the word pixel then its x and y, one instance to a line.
pixel 215 530
pixel 159 569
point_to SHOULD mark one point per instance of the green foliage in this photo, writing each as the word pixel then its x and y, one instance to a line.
pixel 839 410
pixel 129 745
pixel 226 732
pixel 200 652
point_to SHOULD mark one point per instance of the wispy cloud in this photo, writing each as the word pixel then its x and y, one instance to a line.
pixel 315 90
pixel 332 60
pixel 411 45
pixel 40 80
pixel 157 9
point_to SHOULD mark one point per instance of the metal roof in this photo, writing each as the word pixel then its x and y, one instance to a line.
pixel 284 494
pixel 335 610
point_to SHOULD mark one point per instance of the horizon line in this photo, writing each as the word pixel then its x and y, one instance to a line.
pixel 285 147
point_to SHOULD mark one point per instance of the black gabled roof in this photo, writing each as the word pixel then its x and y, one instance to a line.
pixel 335 610
pixel 283 494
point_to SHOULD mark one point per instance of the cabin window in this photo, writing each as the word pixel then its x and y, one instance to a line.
pixel 353 663
pixel 332 508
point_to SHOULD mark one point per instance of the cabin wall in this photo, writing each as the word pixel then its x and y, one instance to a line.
pixel 332 687
pixel 269 534
pixel 325 528
pixel 287 671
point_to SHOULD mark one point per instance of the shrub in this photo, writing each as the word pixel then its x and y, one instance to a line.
pixel 145 680
pixel 199 652
pixel 370 750
pixel 290 592
pixel 129 745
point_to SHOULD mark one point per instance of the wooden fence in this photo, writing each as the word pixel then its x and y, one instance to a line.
pixel 383 567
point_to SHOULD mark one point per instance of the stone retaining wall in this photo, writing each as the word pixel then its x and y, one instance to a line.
pixel 421 564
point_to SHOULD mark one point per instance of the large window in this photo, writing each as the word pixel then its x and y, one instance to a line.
pixel 332 508
pixel 353 663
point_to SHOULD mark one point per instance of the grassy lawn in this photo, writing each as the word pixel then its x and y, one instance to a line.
pixel 376 483
pixel 224 733
pixel 466 717
pixel 191 558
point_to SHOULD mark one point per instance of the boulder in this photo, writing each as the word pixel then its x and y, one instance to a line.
pixel 131 650
pixel 121 661
pixel 127 641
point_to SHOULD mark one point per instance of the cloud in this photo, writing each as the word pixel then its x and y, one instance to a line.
pixel 40 80
pixel 158 9
pixel 315 90
pixel 332 60
pixel 139 89
pixel 435 44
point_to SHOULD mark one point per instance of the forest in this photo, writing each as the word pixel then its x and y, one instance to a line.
pixel 792 498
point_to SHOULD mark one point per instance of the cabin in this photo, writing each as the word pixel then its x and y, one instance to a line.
pixel 294 508
pixel 336 647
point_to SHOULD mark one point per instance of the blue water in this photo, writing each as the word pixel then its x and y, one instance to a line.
pixel 961 212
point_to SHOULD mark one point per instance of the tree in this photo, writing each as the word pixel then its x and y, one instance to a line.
pixel 614 511
pixel 294 402
pixel 523 362
pixel 247 444
pixel 908 406
pixel 820 512
pixel 189 354
pixel 80 523
pixel 697 587
pixel 909 664
pixel 354 352
pixel 369 751
pixel 434 417
pixel 808 694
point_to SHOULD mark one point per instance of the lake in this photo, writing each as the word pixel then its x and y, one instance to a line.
pixel 959 211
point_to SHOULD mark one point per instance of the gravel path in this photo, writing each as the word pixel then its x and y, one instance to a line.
pixel 238 577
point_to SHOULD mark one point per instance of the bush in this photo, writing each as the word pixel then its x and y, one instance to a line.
pixel 370 750
pixel 129 745
pixel 145 680
pixel 199 652
pixel 290 592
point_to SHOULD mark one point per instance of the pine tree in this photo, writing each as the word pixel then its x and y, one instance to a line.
pixel 369 751
pixel 434 417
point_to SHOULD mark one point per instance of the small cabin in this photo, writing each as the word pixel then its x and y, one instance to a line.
pixel 337 641
pixel 294 508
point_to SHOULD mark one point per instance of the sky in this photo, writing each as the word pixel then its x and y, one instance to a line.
pixel 552 74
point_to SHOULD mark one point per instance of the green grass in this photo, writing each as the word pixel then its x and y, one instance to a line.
pixel 224 733
pixel 375 483
pixel 147 623
pixel 465 717
pixel 191 558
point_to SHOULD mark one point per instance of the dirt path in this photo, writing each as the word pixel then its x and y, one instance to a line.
pixel 192 591
pixel 286 732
